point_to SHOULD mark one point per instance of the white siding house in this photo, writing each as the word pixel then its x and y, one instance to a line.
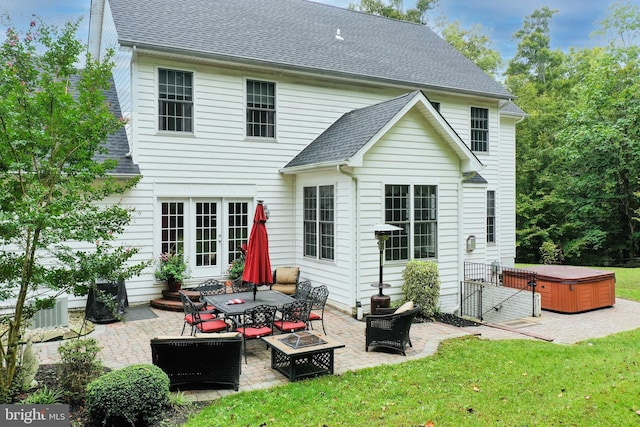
pixel 234 101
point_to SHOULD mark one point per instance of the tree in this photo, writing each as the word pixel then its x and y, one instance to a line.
pixel 622 25
pixel 58 223
pixel 393 9
pixel 601 154
pixel 475 45
pixel 534 56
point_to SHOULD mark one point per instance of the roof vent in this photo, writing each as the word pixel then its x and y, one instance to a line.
pixel 338 36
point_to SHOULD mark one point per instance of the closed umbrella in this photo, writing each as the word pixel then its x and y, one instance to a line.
pixel 257 267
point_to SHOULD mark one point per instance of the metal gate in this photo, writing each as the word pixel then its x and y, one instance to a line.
pixel 478 276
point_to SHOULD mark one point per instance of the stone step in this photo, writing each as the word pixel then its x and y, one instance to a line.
pixel 167 304
pixel 169 295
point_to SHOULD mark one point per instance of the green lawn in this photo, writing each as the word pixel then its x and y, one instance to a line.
pixel 468 382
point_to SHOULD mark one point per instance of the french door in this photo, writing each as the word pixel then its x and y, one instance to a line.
pixel 207 232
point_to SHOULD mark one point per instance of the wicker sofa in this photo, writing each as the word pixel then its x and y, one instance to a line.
pixel 390 330
pixel 201 361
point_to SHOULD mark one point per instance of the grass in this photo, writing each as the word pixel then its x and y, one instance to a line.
pixel 468 382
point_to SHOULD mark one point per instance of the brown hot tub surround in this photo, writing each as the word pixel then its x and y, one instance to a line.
pixel 568 289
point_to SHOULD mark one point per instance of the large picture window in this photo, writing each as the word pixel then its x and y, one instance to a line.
pixel 479 129
pixel 175 100
pixel 261 109
pixel 319 222
pixel 414 209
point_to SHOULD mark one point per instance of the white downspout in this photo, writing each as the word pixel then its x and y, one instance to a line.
pixel 356 221
pixel 134 99
pixel 461 240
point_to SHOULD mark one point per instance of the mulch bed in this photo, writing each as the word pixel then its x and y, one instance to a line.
pixel 452 319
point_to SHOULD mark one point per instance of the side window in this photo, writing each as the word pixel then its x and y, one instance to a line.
pixel 415 210
pixel 491 216
pixel 175 100
pixel 261 109
pixel 479 129
pixel 319 222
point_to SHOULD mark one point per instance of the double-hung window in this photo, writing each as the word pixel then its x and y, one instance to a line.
pixel 491 216
pixel 479 129
pixel 414 208
pixel 175 100
pixel 261 109
pixel 319 222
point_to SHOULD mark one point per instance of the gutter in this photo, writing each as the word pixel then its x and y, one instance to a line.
pixel 307 71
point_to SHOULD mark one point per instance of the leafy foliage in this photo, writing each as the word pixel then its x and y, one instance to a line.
pixel 393 9
pixel 422 285
pixel 79 366
pixel 58 207
pixel 136 394
pixel 171 266
pixel 43 396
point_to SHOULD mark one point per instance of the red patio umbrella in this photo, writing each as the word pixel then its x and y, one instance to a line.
pixel 257 267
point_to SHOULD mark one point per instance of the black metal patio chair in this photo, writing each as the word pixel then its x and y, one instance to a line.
pixel 256 323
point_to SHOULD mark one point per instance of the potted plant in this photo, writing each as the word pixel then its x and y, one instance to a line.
pixel 172 268
pixel 236 268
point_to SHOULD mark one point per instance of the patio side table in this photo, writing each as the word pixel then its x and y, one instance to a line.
pixel 313 357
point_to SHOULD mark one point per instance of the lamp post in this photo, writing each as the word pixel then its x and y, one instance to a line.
pixel 382 233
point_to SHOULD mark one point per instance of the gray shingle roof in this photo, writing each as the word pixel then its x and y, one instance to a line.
pixel 350 133
pixel 301 35
pixel 117 144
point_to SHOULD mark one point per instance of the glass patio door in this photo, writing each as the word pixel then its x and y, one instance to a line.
pixel 209 233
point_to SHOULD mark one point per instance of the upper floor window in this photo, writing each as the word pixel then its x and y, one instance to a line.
pixel 491 216
pixel 479 129
pixel 261 109
pixel 415 210
pixel 175 100
pixel 319 222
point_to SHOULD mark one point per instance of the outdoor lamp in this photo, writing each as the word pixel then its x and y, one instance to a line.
pixel 471 243
pixel 265 208
pixel 382 233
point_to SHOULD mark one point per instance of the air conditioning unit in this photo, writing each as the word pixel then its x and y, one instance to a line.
pixel 57 316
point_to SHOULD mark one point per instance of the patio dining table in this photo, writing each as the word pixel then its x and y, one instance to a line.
pixel 222 302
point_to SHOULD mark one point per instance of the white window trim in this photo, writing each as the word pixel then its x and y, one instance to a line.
pixel 244 110
pixel 156 80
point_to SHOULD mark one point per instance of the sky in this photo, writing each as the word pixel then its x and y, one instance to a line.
pixel 570 27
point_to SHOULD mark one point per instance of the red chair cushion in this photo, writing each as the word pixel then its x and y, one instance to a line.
pixel 203 317
pixel 212 326
pixel 290 326
pixel 314 316
pixel 255 332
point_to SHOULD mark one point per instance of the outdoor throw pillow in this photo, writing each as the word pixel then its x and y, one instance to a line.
pixel 287 274
pixel 407 306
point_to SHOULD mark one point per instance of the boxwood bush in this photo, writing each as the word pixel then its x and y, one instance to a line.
pixel 134 395
pixel 422 285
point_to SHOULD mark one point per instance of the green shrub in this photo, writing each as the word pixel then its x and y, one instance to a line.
pixel 79 366
pixel 422 285
pixel 44 396
pixel 134 394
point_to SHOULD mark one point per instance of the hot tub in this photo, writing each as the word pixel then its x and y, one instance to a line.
pixel 569 289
